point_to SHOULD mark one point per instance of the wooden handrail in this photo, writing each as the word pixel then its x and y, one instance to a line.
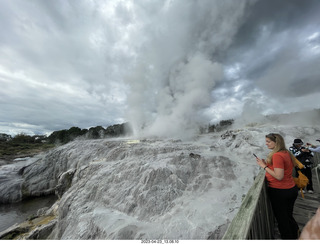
pixel 254 219
pixel 316 166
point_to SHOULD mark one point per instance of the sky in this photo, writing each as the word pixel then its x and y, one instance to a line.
pixel 165 66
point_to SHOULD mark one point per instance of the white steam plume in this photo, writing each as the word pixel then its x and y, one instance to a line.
pixel 175 69
pixel 188 92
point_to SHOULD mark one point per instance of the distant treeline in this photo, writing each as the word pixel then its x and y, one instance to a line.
pixel 223 124
pixel 98 132
pixel 23 145
pixel 65 136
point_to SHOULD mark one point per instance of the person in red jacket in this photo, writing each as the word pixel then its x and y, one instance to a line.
pixel 282 190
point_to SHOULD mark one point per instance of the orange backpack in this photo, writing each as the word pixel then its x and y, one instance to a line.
pixel 302 180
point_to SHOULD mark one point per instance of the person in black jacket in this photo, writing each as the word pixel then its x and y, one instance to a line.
pixel 304 156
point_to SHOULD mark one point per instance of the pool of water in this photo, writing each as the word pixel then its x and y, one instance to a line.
pixel 13 213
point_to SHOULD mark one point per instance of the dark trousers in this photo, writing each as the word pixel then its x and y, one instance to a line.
pixel 307 172
pixel 282 202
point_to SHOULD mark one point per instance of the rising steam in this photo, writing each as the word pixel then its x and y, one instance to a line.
pixel 176 69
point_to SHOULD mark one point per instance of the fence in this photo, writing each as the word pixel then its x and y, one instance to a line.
pixel 316 166
pixel 255 219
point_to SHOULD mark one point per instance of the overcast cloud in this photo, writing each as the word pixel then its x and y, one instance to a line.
pixel 165 66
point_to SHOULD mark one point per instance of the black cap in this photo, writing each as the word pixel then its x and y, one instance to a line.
pixel 297 141
pixel 318 139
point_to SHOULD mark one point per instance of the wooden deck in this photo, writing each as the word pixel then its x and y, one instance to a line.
pixel 305 208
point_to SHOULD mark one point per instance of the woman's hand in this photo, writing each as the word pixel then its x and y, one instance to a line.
pixel 276 173
pixel 261 162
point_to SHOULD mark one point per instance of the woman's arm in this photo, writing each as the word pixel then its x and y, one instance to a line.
pixel 317 149
pixel 277 173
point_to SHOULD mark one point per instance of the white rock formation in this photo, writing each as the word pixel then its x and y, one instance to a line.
pixel 149 189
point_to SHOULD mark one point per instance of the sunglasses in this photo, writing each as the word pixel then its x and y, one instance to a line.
pixel 272 136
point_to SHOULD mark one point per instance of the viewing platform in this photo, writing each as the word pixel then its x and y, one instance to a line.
pixel 255 220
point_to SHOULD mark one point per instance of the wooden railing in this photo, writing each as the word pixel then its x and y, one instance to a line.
pixel 254 219
pixel 316 166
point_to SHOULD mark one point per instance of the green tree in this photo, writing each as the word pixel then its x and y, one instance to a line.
pixel 22 138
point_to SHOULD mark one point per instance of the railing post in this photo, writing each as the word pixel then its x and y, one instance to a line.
pixel 254 219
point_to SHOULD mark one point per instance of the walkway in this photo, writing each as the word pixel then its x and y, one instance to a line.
pixel 305 208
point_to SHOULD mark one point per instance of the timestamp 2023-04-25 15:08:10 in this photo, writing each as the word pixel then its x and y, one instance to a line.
pixel 159 241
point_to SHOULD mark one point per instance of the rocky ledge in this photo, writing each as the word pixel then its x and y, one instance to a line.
pixel 37 227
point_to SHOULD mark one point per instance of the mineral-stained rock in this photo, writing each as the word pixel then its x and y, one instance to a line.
pixel 14 231
pixel 37 228
pixel 64 183
pixel 43 231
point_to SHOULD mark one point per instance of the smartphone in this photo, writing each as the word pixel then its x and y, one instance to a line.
pixel 255 155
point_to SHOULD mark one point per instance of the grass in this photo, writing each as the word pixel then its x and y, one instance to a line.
pixel 11 149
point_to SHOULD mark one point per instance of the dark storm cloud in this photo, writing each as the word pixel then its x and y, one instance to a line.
pixel 274 50
pixel 54 73
pixel 83 63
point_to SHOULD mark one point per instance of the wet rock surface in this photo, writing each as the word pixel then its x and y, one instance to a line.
pixel 142 189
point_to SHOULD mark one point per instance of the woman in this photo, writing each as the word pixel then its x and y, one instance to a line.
pixel 282 190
